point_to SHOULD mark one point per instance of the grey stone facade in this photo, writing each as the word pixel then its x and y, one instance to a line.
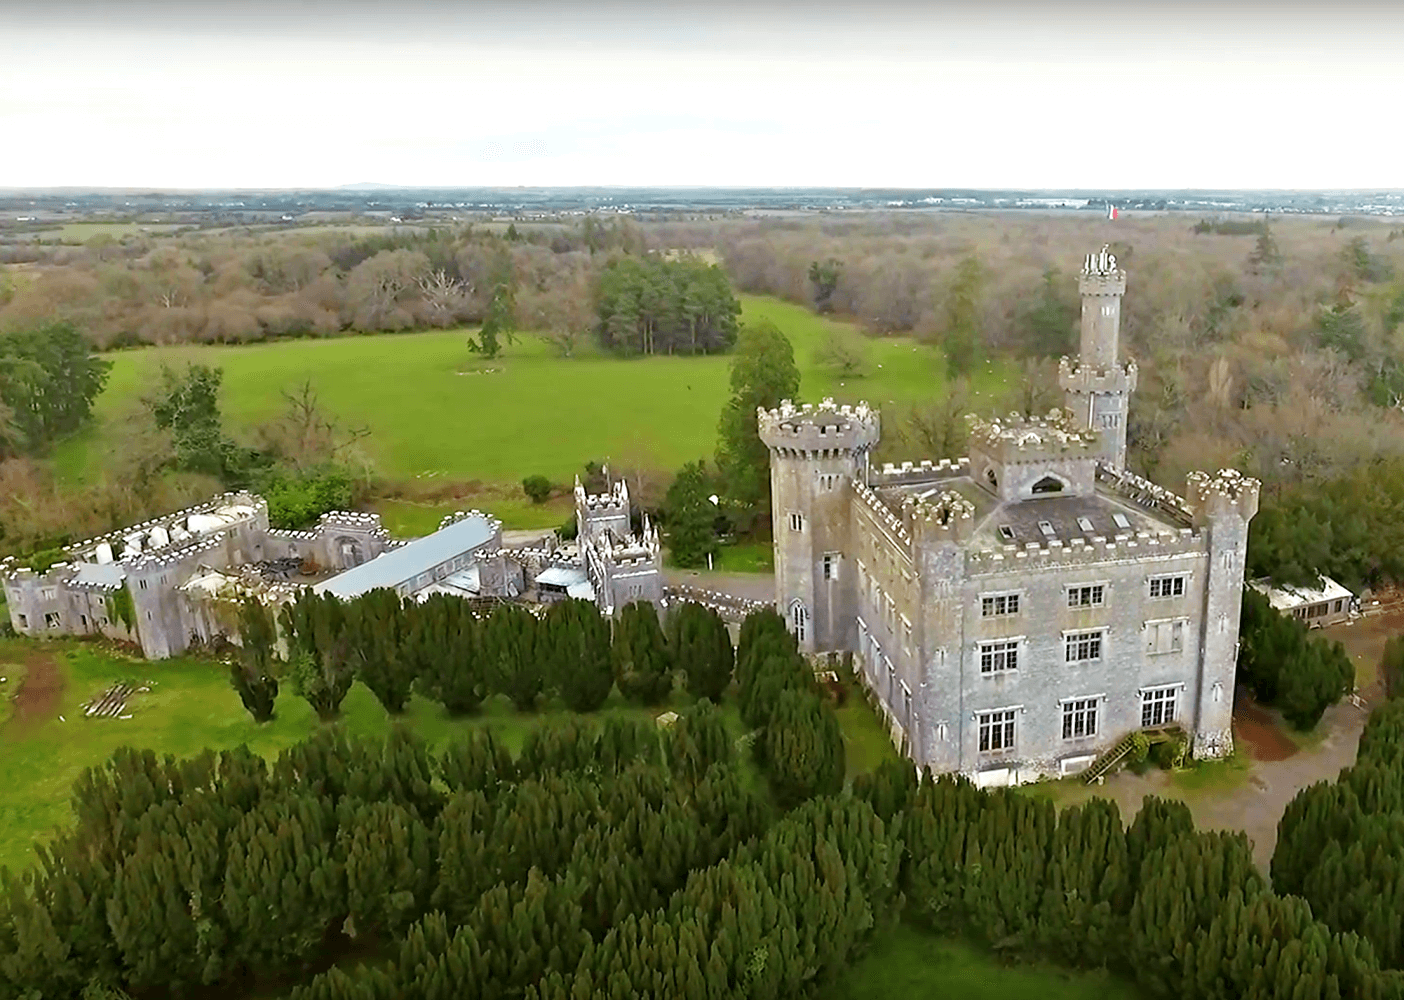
pixel 166 583
pixel 621 566
pixel 1018 611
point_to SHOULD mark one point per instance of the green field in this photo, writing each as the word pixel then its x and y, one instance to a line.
pixel 434 414
pixel 81 232
pixel 191 706
pixel 907 964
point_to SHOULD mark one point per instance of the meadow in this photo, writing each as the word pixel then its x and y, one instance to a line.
pixel 435 412
pixel 191 707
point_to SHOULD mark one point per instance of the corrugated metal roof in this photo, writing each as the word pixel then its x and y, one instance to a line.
pixel 390 569
pixel 561 576
pixel 109 575
pixel 1286 598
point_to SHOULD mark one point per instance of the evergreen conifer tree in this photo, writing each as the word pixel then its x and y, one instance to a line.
pixel 512 653
pixel 642 665
pixel 701 647
pixel 578 644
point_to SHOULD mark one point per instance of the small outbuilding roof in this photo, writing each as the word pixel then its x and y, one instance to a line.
pixel 392 568
pixel 561 576
pixel 1287 598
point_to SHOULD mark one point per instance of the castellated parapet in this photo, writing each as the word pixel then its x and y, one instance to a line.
pixel 1086 379
pixel 1141 546
pixel 924 471
pixel 817 429
pixel 1227 492
pixel 947 517
pixel 1017 439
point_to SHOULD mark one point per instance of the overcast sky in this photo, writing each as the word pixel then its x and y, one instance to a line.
pixel 1049 95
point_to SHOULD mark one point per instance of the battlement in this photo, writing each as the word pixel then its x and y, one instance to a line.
pixel 1017 439
pixel 1143 492
pixel 1225 492
pixel 918 472
pixel 1117 378
pixel 947 517
pixel 883 514
pixel 1140 546
pixel 165 558
pixel 166 522
pixel 351 519
pixel 1100 274
pixel 614 501
pixel 461 515
pixel 825 426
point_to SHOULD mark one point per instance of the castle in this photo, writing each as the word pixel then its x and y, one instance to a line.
pixel 1016 612
pixel 175 581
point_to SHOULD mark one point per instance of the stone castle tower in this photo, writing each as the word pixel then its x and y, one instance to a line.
pixel 1097 386
pixel 817 453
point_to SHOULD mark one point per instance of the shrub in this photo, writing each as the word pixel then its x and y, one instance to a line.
pixel 537 488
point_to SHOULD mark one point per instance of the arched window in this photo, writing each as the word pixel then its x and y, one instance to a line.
pixel 1047 485
pixel 994 481
pixel 799 620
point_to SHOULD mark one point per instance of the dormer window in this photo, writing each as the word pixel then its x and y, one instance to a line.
pixel 1047 485
pixel 1006 532
pixel 993 479
pixel 1084 524
pixel 1122 522
pixel 1047 528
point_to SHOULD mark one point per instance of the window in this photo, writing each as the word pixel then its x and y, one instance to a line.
pixel 1111 419
pixel 1167 586
pixel 995 605
pixel 51 619
pixel 827 481
pixel 83 620
pixel 48 593
pixel 1157 706
pixel 1089 596
pixel 24 621
pixel 1337 606
pixel 997 657
pixel 1121 522
pixel 141 584
pixel 831 565
pixel 1084 524
pixel 799 618
pixel 796 521
pixel 1046 485
pixel 1083 647
pixel 1165 637
pixel 1006 532
pixel 1079 718
pixel 1047 528
pixel 996 731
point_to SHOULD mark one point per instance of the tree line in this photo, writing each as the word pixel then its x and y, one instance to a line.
pixel 49 378
pixel 617 862
pixel 652 305
pixel 1287 667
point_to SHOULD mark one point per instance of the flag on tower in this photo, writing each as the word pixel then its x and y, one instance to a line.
pixel 1111 211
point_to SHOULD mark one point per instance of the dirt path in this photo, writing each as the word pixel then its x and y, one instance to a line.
pixel 38 698
pixel 1258 732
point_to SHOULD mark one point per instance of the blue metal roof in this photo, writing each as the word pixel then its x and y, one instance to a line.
pixel 390 569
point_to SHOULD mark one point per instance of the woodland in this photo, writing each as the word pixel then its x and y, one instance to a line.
pixel 634 861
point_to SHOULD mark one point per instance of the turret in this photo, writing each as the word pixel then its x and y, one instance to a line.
pixel 1222 506
pixel 1097 386
pixel 1031 458
pixel 816 453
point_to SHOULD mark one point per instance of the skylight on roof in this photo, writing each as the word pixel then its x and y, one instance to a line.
pixel 1121 521
pixel 1084 524
pixel 1006 532
pixel 1047 528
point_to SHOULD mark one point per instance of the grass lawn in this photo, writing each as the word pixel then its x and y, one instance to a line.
pixel 434 413
pixel 909 964
pixel 191 706
pixel 745 557
pixel 411 519
pixel 11 677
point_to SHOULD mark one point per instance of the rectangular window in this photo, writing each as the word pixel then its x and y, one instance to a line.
pixel 1086 597
pixel 49 593
pixel 1084 524
pixel 24 621
pixel 1079 718
pixel 995 605
pixel 1165 637
pixel 997 657
pixel 51 619
pixel 1083 647
pixel 1167 586
pixel 796 521
pixel 996 731
pixel 141 584
pixel 831 565
pixel 1157 706
pixel 83 620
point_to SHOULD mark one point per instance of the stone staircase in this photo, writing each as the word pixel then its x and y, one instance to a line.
pixel 1118 751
